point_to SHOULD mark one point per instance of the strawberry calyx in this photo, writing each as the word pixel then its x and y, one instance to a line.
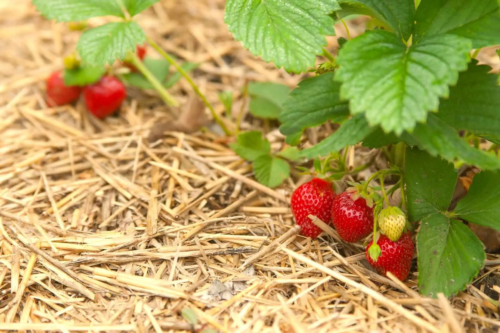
pixel 140 51
pixel 128 58
pixel 71 61
pixel 374 250
pixel 360 190
pixel 325 68
pixel 326 169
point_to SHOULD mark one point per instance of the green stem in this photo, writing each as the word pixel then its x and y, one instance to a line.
pixel 383 190
pixel 242 109
pixel 165 95
pixel 346 29
pixel 344 157
pixel 403 194
pixel 399 154
pixel 124 10
pixel 375 219
pixel 379 173
pixel 387 155
pixel 328 55
pixel 476 142
pixel 476 52
pixel 190 81
pixel 394 188
pixel 360 168
pixel 399 160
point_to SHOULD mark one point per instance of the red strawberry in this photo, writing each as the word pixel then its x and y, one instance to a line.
pixel 394 257
pixel 352 219
pixel 312 198
pixel 141 53
pixel 104 97
pixel 58 93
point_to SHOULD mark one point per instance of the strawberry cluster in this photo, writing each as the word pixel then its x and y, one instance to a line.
pixel 354 214
pixel 101 98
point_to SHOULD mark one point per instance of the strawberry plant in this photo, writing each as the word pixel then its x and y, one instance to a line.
pixel 409 85
pixel 270 168
pixel 266 102
pixel 123 40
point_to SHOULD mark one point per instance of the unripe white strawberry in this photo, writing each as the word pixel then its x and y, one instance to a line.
pixel 392 222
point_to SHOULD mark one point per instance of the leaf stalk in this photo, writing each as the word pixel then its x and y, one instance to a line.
pixel 165 95
pixel 171 60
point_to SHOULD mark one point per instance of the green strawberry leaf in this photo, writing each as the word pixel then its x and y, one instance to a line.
pixel 439 138
pixel 83 75
pixel 474 103
pixel 293 139
pixel 379 139
pixel 396 86
pixel 158 67
pixel 315 101
pixel 290 34
pixel 108 42
pixel 134 7
pixel 449 255
pixel 251 145
pixel 482 203
pixel 266 99
pixel 477 20
pixel 77 10
pixel 291 154
pixel 350 132
pixel 136 80
pixel 190 316
pixel 271 171
pixel 398 15
pixel 430 182
pixel 172 79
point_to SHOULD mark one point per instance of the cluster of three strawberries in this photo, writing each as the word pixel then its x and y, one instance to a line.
pixel 102 98
pixel 354 220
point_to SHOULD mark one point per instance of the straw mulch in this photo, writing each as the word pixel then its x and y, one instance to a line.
pixel 101 230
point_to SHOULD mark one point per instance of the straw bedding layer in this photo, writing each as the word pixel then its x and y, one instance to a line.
pixel 101 230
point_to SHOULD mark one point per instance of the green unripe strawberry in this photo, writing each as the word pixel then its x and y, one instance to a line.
pixel 392 222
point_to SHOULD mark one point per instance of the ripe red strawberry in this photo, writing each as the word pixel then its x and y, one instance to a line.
pixel 353 219
pixel 58 93
pixel 105 96
pixel 394 257
pixel 312 198
pixel 141 53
